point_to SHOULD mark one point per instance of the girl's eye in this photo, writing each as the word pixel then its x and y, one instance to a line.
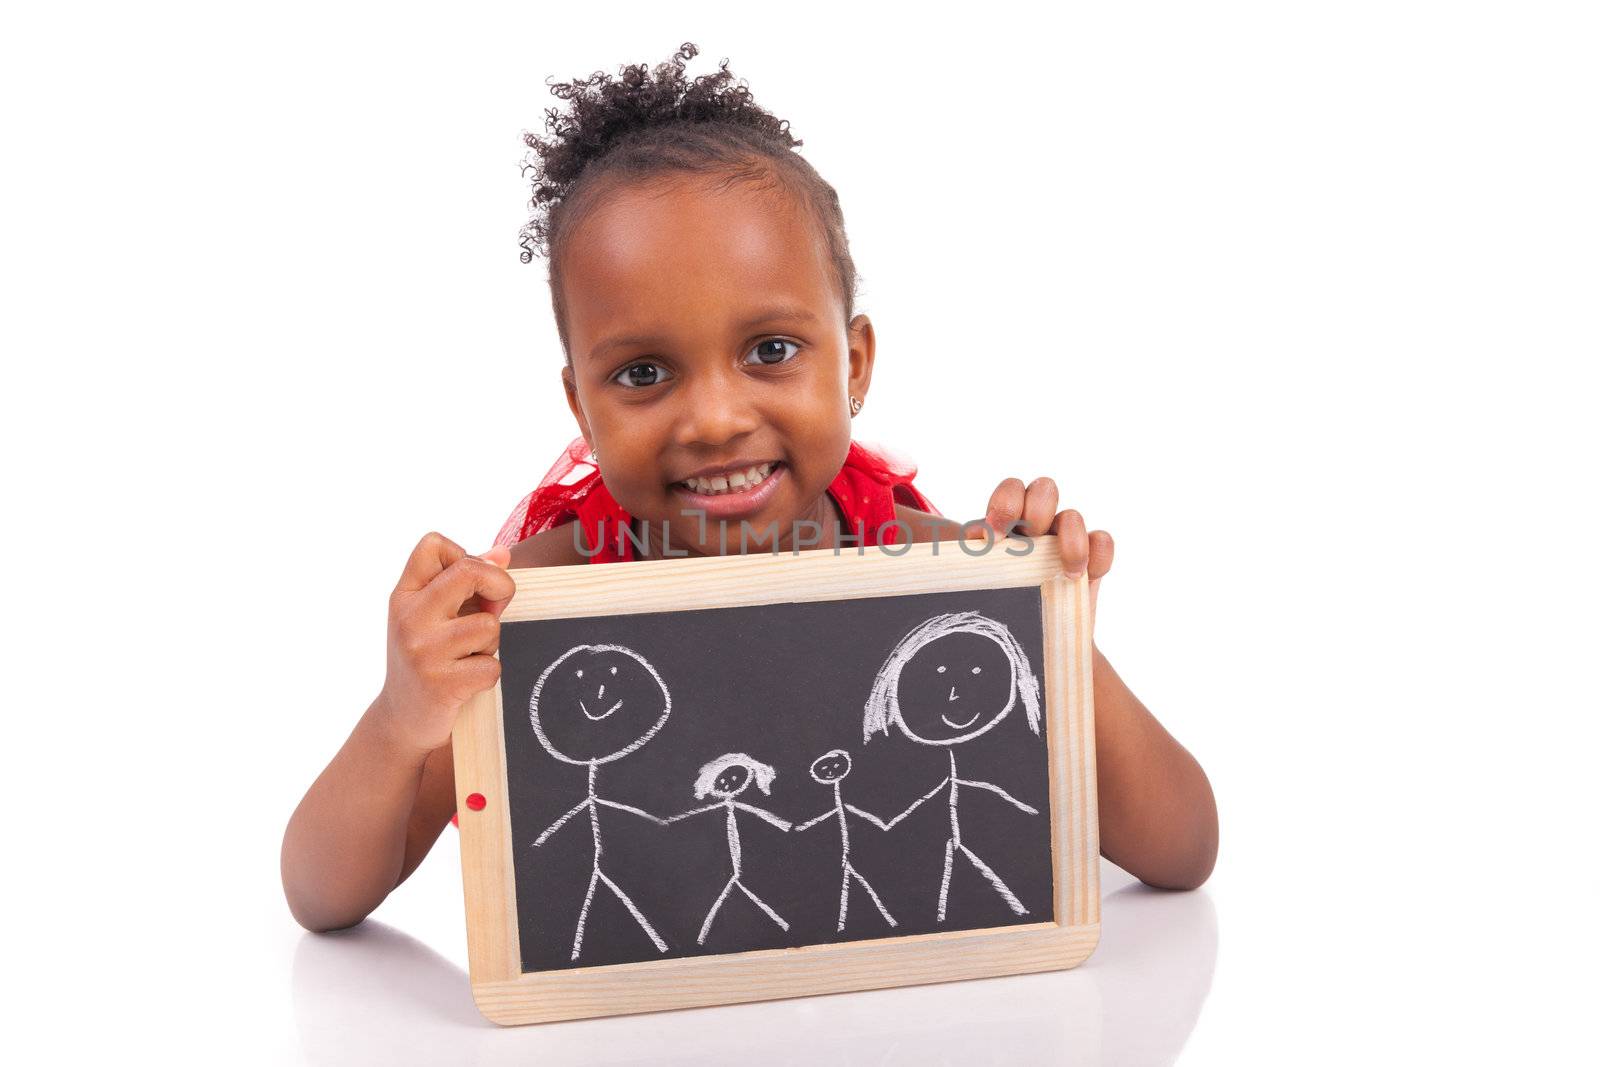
pixel 772 352
pixel 639 375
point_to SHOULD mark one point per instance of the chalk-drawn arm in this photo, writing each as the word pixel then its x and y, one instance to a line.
pixel 692 812
pixel 559 823
pixel 809 823
pixel 633 810
pixel 782 824
pixel 991 787
pixel 867 815
pixel 917 803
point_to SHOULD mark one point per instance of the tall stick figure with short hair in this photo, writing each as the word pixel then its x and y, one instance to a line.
pixel 954 678
pixel 725 778
pixel 830 769
pixel 577 722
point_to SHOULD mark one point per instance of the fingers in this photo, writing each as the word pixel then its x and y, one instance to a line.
pixel 471 635
pixel 1082 552
pixel 500 556
pixel 1023 509
pixel 1005 505
pixel 433 554
pixel 1101 549
pixel 473 675
pixel 1039 507
pixel 1073 541
pixel 467 577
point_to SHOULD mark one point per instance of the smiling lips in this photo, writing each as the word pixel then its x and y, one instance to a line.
pixel 603 714
pixel 734 481
pixel 960 725
pixel 734 502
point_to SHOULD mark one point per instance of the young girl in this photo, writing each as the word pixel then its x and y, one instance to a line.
pixel 704 296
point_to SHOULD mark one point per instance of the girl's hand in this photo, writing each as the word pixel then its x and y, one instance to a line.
pixel 444 630
pixel 1033 508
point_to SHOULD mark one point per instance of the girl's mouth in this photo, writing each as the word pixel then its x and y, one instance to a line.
pixel 732 494
pixel 961 725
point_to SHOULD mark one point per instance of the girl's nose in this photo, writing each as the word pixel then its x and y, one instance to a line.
pixel 953 693
pixel 718 410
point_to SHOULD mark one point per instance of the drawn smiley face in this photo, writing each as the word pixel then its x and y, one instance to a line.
pixel 730 781
pixel 597 703
pixel 830 767
pixel 954 688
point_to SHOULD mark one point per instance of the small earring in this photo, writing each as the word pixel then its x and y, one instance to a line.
pixel 855 406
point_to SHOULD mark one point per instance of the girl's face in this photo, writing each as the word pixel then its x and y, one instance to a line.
pixel 707 337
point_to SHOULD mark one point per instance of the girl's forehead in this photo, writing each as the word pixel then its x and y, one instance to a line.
pixel 687 253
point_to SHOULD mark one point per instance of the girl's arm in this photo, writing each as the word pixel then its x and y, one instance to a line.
pixel 363 826
pixel 1158 819
pixel 375 811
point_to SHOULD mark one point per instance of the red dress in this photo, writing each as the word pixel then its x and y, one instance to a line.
pixel 866 490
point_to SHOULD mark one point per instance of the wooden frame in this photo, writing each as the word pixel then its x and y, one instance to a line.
pixel 506 995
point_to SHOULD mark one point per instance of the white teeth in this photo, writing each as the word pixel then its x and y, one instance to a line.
pixel 732 482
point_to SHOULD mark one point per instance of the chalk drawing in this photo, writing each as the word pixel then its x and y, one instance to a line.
pixel 725 778
pixel 562 697
pixel 952 652
pixel 830 769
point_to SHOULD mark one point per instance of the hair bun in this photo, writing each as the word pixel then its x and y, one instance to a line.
pixel 603 111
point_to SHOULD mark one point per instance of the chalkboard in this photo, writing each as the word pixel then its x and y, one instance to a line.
pixel 843 771
pixel 775 698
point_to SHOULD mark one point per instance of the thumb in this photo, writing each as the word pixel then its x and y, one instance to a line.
pixel 499 555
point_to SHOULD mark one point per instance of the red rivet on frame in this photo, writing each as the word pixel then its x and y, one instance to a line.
pixel 476 802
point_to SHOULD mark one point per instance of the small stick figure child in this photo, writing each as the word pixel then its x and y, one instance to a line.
pixel 725 778
pixel 830 769
pixel 948 681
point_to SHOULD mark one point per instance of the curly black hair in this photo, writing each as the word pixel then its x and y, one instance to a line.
pixel 647 123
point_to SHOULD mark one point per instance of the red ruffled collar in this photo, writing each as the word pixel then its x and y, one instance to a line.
pixel 866 489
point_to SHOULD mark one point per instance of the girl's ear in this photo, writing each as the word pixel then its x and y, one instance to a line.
pixel 863 347
pixel 570 385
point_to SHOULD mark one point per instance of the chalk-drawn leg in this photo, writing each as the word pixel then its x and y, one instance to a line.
pixel 994 880
pixel 844 892
pixel 852 872
pixel 944 883
pixel 661 946
pixel 758 902
pixel 583 913
pixel 705 927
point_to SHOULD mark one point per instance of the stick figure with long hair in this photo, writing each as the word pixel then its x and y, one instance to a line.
pixel 953 678
pixel 725 778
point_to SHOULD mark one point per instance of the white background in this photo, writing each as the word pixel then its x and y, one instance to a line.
pixel 1299 301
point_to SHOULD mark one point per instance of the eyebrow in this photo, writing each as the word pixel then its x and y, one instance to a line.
pixel 786 313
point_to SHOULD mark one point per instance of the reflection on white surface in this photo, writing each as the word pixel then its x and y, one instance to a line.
pixel 376 995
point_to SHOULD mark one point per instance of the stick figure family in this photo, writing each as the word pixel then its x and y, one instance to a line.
pixel 951 679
